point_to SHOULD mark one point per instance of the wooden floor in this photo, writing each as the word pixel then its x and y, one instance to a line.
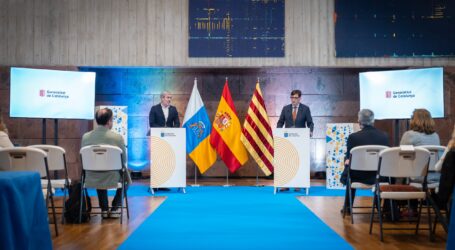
pixel 109 234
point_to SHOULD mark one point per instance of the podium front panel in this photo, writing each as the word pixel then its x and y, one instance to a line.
pixel 292 157
pixel 168 157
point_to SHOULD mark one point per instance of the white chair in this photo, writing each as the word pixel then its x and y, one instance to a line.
pixel 104 158
pixel 435 155
pixel 362 158
pixel 56 161
pixel 436 152
pixel 29 159
pixel 401 162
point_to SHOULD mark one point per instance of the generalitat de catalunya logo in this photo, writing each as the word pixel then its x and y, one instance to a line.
pixel 53 93
pixel 399 94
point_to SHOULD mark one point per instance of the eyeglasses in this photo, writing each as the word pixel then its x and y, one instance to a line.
pixel 295 97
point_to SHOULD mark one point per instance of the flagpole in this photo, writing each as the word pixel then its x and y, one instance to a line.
pixel 195 177
pixel 227 178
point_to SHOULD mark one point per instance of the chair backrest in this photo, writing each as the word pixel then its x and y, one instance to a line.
pixel 101 158
pixel 365 158
pixel 55 156
pixel 23 159
pixel 435 154
pixel 406 161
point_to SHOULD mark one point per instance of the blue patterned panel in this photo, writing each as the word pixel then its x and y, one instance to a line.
pixel 336 139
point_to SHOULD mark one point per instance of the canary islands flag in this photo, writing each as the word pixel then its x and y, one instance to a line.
pixel 225 137
pixel 198 128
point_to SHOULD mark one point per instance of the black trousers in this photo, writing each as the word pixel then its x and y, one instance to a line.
pixel 104 203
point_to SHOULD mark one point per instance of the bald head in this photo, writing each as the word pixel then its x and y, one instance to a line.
pixel 103 116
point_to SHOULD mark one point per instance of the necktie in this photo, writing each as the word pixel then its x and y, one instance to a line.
pixel 294 113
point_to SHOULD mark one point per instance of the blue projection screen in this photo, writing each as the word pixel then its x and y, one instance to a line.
pixel 38 93
pixel 395 94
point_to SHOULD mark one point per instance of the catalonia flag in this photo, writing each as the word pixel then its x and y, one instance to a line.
pixel 225 137
pixel 257 133
pixel 198 128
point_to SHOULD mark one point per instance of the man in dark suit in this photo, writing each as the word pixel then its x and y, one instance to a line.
pixel 296 115
pixel 164 114
pixel 368 135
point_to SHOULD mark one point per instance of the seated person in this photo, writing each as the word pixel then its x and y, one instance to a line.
pixel 368 135
pixel 447 180
pixel 105 180
pixel 422 132
pixel 5 142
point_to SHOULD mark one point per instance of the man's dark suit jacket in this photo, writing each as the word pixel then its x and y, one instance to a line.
pixel 447 181
pixel 303 119
pixel 369 135
pixel 157 120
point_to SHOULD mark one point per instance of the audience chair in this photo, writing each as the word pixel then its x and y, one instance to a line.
pixel 29 159
pixel 435 156
pixel 402 162
pixel 104 158
pixel 56 159
pixel 362 158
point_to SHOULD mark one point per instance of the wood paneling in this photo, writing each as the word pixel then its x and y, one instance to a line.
pixel 155 33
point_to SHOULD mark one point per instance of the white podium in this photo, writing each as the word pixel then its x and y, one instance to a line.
pixel 292 158
pixel 168 158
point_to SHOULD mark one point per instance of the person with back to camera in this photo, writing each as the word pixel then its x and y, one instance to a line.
pixel 5 142
pixel 422 132
pixel 368 135
pixel 296 115
pixel 106 180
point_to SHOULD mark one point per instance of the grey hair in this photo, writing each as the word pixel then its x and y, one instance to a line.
pixel 164 93
pixel 366 117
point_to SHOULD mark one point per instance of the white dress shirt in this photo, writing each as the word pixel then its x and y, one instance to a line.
pixel 166 112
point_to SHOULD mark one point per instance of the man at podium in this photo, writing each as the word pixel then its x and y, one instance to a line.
pixel 164 115
pixel 296 115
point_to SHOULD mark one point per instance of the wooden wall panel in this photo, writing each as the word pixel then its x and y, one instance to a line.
pixel 332 95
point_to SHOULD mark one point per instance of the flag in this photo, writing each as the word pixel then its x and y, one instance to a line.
pixel 225 137
pixel 198 128
pixel 257 133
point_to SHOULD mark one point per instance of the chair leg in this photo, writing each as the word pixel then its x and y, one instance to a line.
pixel 438 216
pixel 380 218
pixel 121 203
pixel 53 212
pixel 392 212
pixel 344 205
pixel 429 220
pixel 65 190
pixel 80 203
pixel 419 214
pixel 127 207
pixel 351 207
pixel 372 214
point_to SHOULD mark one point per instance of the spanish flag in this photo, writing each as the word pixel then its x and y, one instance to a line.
pixel 225 136
pixel 257 133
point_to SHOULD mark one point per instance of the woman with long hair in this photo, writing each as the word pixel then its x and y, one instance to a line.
pixel 422 130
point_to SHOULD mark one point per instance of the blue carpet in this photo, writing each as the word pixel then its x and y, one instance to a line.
pixel 233 218
pixel 314 191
